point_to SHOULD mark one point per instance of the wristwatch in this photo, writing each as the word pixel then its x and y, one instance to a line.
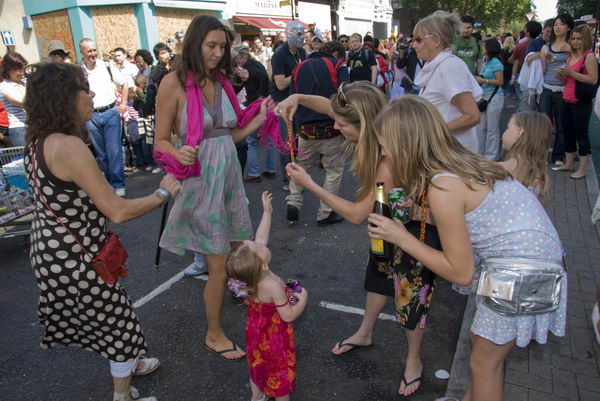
pixel 162 193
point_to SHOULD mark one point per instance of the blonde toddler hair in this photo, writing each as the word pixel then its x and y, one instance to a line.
pixel 245 265
pixel 530 150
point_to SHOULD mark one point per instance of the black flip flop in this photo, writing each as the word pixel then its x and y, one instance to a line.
pixel 235 347
pixel 353 347
pixel 406 384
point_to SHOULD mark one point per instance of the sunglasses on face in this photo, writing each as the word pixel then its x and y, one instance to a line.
pixel 420 40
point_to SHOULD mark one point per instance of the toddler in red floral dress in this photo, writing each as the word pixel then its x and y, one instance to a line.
pixel 272 306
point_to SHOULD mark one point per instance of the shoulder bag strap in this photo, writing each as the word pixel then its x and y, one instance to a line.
pixel 42 199
pixel 493 93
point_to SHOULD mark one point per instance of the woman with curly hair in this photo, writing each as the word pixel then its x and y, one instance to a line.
pixel 12 95
pixel 74 202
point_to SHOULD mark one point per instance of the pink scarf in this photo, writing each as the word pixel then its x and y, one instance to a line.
pixel 195 126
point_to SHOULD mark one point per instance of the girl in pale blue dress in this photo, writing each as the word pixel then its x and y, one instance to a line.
pixel 481 212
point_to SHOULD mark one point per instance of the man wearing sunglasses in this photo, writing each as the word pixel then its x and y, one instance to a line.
pixel 344 40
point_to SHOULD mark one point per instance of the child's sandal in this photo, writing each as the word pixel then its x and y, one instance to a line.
pixel 133 394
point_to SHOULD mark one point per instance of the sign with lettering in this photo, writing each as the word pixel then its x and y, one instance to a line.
pixel 263 7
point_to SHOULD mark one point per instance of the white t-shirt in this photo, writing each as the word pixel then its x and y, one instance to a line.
pixel 101 84
pixel 439 86
pixel 129 72
pixel 16 114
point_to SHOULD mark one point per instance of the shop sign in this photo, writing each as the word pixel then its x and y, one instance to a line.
pixel 359 9
pixel 263 7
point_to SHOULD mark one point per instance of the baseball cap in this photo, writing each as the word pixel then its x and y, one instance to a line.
pixel 239 49
pixel 55 45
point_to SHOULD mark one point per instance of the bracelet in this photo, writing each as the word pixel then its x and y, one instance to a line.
pixel 162 194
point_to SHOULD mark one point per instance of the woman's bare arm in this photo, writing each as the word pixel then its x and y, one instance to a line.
pixel 71 160
pixel 465 103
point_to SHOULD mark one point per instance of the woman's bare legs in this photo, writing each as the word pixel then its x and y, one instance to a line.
pixel 122 384
pixel 364 335
pixel 214 291
pixel 487 369
pixel 414 366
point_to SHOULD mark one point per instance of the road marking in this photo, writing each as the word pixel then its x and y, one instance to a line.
pixel 158 290
pixel 163 287
pixel 350 309
pixel 324 304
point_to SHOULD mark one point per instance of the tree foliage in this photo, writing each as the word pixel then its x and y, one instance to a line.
pixel 578 8
pixel 492 14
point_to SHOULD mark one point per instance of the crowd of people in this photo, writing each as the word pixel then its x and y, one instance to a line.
pixel 419 114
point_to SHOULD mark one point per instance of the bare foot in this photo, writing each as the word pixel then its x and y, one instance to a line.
pixel 411 381
pixel 225 348
pixel 353 342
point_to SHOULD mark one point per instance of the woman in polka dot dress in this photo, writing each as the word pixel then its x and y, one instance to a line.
pixel 76 307
pixel 481 212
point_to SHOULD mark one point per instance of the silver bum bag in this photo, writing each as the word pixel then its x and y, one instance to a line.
pixel 516 286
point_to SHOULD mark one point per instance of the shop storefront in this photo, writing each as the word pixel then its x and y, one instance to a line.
pixel 132 24
pixel 260 18
pixel 269 17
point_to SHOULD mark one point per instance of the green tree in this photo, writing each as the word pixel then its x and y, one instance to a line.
pixel 577 8
pixel 492 14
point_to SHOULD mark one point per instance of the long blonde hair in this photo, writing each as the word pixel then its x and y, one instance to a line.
pixel 530 150
pixel 419 145
pixel 358 103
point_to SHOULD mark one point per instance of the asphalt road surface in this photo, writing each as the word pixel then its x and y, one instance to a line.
pixel 330 262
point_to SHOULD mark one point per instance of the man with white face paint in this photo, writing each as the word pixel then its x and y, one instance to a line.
pixel 284 60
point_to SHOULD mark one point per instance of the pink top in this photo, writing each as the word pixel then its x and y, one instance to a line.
pixel 569 90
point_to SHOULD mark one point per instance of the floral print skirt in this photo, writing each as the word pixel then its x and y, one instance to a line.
pixel 413 285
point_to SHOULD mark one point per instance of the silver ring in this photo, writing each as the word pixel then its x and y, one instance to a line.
pixel 279 111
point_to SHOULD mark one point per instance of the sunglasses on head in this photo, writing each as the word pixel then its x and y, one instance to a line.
pixel 341 92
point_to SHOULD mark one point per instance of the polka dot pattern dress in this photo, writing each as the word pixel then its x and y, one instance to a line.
pixel 76 307
pixel 512 222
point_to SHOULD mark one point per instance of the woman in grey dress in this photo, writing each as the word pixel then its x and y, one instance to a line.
pixel 212 211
